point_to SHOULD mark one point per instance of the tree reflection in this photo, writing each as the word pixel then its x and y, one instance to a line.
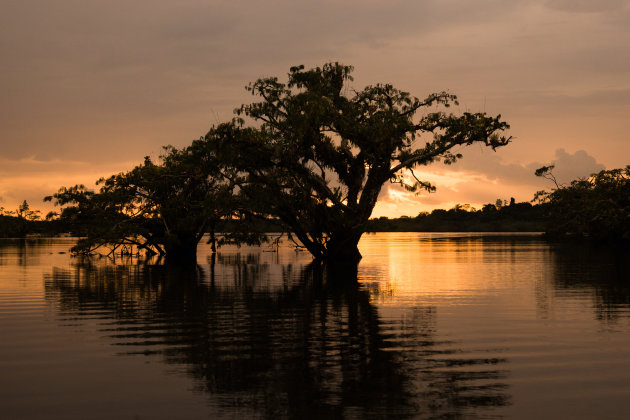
pixel 601 271
pixel 22 251
pixel 281 340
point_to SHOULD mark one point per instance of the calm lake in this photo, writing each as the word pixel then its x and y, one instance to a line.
pixel 431 326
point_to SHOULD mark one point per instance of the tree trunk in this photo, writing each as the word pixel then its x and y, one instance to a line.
pixel 181 250
pixel 212 240
pixel 342 248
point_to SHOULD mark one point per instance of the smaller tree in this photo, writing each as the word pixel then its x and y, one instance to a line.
pixel 162 208
pixel 24 212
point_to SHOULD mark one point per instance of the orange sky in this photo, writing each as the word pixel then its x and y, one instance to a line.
pixel 89 88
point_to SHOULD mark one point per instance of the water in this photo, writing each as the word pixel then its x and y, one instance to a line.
pixel 437 326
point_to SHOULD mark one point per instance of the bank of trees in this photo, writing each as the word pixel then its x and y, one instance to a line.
pixel 19 222
pixel 311 154
pixel 597 207
pixel 498 217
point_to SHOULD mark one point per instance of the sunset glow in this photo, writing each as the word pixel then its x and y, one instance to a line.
pixel 89 91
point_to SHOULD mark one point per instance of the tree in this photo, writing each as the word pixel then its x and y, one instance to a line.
pixel 23 212
pixel 320 153
pixel 162 208
pixel 597 207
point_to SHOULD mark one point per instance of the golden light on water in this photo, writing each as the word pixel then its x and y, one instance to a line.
pixel 440 264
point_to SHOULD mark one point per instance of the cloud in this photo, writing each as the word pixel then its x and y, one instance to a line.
pixel 567 167
pixel 574 166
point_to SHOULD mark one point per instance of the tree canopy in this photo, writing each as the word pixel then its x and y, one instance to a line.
pixel 162 208
pixel 597 207
pixel 316 153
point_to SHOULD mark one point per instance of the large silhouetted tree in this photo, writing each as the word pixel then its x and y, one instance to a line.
pixel 319 152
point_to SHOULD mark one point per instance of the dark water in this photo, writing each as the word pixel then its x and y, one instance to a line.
pixel 432 326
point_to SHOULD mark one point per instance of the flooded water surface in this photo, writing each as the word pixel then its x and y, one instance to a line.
pixel 431 326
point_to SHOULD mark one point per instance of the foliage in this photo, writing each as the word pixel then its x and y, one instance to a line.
pixel 162 208
pixel 597 207
pixel 547 173
pixel 320 152
pixel 23 212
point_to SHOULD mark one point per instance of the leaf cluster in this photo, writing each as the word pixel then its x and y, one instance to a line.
pixel 597 207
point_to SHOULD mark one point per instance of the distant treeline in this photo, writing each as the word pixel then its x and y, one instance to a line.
pixel 23 221
pixel 499 217
pixel 15 227
pixel 597 208
pixel 18 227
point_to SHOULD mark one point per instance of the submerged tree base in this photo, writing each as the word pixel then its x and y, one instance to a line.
pixel 182 256
pixel 343 249
pixel 334 273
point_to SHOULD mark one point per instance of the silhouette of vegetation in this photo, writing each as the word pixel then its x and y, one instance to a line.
pixel 24 212
pixel 320 152
pixel 19 222
pixel 11 227
pixel 500 217
pixel 158 208
pixel 597 208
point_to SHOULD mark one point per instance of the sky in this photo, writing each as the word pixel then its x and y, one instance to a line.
pixel 91 87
